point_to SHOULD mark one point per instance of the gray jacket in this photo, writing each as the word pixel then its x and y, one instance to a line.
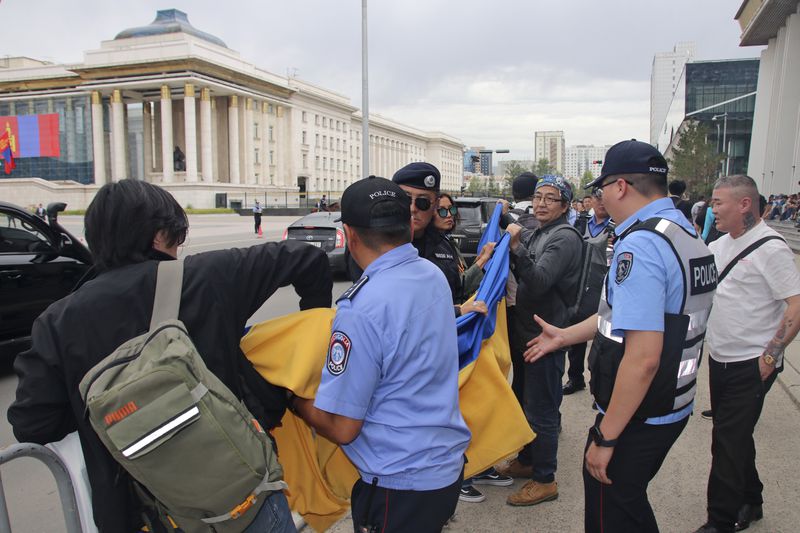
pixel 547 282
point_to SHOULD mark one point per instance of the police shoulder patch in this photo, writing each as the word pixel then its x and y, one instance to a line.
pixel 338 353
pixel 353 290
pixel 624 266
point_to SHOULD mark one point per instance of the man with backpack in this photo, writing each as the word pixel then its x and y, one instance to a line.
pixel 598 231
pixel 220 290
pixel 547 264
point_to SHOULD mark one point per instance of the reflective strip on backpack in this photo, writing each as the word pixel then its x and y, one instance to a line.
pixel 160 432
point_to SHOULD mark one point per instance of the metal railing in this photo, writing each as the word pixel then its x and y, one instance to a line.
pixel 66 492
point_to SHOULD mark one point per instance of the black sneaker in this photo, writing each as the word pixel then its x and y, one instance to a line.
pixel 471 494
pixel 708 414
pixel 491 477
pixel 572 386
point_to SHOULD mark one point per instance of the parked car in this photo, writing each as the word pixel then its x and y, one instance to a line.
pixel 40 262
pixel 473 215
pixel 321 230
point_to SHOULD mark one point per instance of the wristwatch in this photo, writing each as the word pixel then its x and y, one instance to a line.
pixel 599 439
pixel 770 360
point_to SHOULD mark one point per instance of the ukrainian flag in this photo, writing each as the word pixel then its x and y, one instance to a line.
pixel 290 352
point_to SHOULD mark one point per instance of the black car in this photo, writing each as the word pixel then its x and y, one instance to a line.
pixel 320 230
pixel 40 262
pixel 473 215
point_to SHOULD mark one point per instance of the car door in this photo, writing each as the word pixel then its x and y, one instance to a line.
pixel 33 274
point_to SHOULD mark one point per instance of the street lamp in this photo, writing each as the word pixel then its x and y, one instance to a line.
pixel 724 138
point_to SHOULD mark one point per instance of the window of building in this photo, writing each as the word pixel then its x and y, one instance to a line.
pixel 271 157
pixel 305 118
pixel 305 140
pixel 305 161
pixel 316 140
pixel 256 157
pixel 338 126
pixel 269 109
pixel 324 163
pixel 325 142
pixel 338 145
pixel 271 131
pixel 316 162
pixel 316 120
pixel 324 122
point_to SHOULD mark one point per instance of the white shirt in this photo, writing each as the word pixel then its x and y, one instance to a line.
pixel 749 303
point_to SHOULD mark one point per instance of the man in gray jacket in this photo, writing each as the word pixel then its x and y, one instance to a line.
pixel 546 261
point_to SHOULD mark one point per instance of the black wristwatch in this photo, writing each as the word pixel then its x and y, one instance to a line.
pixel 599 439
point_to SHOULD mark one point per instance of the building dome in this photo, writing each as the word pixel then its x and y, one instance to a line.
pixel 169 21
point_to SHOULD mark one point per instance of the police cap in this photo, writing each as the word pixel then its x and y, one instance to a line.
pixel 360 199
pixel 419 175
pixel 632 157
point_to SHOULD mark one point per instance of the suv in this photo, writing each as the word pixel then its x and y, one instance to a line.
pixel 40 262
pixel 473 215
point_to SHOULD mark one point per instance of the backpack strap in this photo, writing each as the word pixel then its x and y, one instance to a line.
pixel 744 253
pixel 264 486
pixel 167 301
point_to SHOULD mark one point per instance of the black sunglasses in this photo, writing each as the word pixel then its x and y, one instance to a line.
pixel 422 203
pixel 443 211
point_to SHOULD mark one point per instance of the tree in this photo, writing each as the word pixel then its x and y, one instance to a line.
pixel 542 167
pixel 695 160
pixel 587 178
pixel 513 169
pixel 476 185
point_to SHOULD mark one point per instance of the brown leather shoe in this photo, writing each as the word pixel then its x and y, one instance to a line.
pixel 534 492
pixel 514 468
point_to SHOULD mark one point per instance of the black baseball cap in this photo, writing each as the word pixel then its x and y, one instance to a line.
pixel 419 175
pixel 360 199
pixel 632 157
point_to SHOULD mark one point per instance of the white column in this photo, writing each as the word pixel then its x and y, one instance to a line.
pixel 249 167
pixel 233 138
pixel 147 140
pixel 118 168
pixel 98 141
pixel 166 135
pixel 190 132
pixel 285 142
pixel 206 161
pixel 266 169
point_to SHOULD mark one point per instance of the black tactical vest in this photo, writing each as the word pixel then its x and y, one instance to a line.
pixel 675 382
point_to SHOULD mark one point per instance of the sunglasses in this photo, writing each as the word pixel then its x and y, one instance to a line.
pixel 422 203
pixel 444 211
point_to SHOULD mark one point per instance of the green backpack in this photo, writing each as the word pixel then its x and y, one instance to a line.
pixel 176 428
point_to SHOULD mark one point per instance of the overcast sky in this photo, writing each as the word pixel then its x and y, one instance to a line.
pixel 488 72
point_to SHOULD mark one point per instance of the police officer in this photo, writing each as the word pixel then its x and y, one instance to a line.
pixel 647 338
pixel 421 181
pixel 389 389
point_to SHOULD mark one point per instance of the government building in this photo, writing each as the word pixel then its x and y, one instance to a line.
pixel 173 105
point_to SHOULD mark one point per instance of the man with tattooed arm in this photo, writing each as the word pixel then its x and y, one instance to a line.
pixel 756 314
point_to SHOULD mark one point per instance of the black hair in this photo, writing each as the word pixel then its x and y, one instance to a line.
pixel 677 187
pixel 649 185
pixel 393 235
pixel 124 218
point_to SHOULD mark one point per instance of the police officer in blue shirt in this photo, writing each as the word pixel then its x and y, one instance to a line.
pixel 648 338
pixel 389 389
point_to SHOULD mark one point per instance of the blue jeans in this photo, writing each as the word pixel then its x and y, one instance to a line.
pixel 273 517
pixel 543 396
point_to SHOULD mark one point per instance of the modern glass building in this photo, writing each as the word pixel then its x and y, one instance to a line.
pixel 721 95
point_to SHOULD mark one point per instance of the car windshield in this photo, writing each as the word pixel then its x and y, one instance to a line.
pixel 469 214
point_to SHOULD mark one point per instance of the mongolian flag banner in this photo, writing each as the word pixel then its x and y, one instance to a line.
pixel 32 135
pixel 6 154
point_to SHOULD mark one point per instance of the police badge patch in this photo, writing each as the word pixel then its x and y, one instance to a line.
pixel 338 353
pixel 429 181
pixel 624 266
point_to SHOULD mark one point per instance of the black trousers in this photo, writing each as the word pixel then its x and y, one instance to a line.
pixel 737 397
pixel 379 510
pixel 257 221
pixel 623 506
pixel 576 356
pixel 517 345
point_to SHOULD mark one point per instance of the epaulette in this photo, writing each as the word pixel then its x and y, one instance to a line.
pixel 350 293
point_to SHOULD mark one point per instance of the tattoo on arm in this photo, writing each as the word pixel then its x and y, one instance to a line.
pixel 749 221
pixel 776 346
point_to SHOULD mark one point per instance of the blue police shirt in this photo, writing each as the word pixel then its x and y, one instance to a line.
pixel 393 363
pixel 652 285
pixel 595 228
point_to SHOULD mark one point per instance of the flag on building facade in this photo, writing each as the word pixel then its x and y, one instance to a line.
pixel 6 152
pixel 32 135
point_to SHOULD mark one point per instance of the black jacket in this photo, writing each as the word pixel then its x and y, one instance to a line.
pixel 547 281
pixel 221 290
